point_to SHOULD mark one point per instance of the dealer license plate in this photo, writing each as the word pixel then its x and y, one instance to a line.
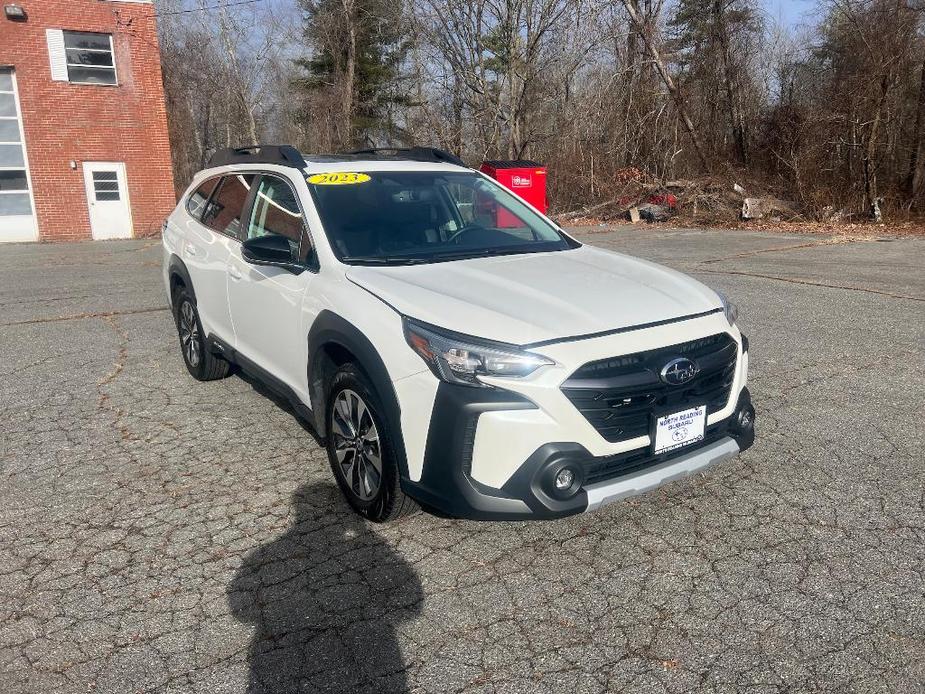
pixel 679 429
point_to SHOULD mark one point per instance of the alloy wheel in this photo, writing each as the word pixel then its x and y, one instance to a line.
pixel 356 444
pixel 189 333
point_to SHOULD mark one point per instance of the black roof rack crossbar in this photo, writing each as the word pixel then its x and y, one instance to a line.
pixel 283 155
pixel 412 153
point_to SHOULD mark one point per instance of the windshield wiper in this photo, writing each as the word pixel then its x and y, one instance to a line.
pixel 444 256
pixel 483 252
pixel 384 260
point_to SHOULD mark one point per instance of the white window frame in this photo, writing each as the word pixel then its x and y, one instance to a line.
pixel 112 51
pixel 25 155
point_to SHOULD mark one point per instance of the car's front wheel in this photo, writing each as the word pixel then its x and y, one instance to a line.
pixel 361 451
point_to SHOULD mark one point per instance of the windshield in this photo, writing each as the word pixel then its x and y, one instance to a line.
pixel 405 217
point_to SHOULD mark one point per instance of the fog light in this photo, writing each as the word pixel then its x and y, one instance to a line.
pixel 746 419
pixel 564 479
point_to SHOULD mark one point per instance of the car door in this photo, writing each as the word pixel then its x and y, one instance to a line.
pixel 266 301
pixel 210 238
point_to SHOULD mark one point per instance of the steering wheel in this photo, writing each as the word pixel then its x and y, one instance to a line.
pixel 456 238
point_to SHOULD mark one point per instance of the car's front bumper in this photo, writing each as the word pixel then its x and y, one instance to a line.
pixel 603 493
pixel 446 484
pixel 492 452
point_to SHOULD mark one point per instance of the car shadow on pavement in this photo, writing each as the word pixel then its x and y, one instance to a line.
pixel 326 599
pixel 280 401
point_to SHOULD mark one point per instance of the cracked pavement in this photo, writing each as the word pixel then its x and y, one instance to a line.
pixel 162 535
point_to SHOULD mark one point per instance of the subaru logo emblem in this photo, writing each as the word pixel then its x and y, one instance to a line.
pixel 679 371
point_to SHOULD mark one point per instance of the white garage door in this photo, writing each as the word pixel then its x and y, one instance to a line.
pixel 17 221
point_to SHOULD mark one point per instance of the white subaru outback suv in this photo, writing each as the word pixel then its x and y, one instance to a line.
pixel 451 345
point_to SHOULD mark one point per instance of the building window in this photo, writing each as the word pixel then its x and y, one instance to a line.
pixel 15 201
pixel 106 185
pixel 89 58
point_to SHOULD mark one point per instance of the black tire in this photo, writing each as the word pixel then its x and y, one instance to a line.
pixel 387 502
pixel 200 362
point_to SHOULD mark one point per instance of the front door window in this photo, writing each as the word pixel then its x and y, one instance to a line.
pixel 276 211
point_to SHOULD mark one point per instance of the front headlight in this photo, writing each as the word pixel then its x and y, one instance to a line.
pixel 461 360
pixel 729 308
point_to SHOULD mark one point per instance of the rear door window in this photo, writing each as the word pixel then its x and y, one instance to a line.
pixel 224 210
pixel 197 200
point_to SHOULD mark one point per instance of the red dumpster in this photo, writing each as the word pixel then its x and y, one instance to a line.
pixel 525 178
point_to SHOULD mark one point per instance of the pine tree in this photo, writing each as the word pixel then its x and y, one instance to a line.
pixel 711 38
pixel 353 75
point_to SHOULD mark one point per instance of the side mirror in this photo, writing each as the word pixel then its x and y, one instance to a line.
pixel 272 250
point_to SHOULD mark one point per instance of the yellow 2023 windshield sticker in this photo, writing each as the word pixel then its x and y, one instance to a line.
pixel 338 179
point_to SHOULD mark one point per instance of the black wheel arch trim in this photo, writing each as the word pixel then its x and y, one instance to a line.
pixel 178 267
pixel 331 329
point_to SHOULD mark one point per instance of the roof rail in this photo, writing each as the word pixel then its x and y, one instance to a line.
pixel 283 155
pixel 412 153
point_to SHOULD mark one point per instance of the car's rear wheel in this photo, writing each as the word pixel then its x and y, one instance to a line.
pixel 361 451
pixel 200 362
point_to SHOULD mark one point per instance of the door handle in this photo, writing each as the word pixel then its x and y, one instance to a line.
pixel 234 273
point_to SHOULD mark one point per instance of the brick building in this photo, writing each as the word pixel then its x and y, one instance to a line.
pixel 83 128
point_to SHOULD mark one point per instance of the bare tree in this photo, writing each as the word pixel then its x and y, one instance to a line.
pixel 612 96
pixel 216 72
pixel 645 31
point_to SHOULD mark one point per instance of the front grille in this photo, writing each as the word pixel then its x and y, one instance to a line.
pixel 619 395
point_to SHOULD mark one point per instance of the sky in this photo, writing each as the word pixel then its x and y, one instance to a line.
pixel 791 12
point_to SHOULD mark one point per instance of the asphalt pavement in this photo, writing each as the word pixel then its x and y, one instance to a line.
pixel 162 535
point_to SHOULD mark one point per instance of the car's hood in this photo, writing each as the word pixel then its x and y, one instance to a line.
pixel 522 299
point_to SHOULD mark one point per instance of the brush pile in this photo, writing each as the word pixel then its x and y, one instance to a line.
pixel 635 196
